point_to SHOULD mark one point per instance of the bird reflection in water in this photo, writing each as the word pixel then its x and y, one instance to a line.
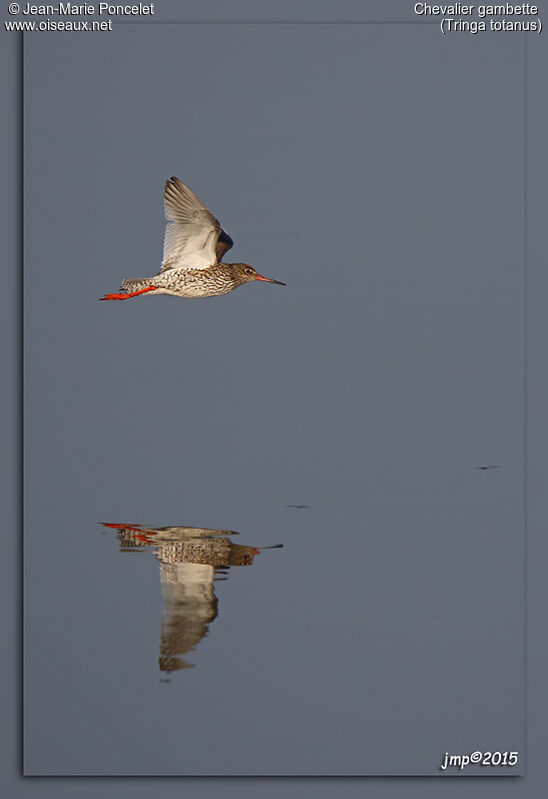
pixel 191 560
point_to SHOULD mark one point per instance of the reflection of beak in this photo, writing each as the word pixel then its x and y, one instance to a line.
pixel 258 550
pixel 269 280
pixel 274 546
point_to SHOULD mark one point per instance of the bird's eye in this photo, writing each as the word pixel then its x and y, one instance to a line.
pixel 248 271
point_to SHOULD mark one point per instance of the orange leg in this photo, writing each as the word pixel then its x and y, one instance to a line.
pixel 127 296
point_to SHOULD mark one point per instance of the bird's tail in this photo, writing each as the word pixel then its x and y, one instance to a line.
pixel 132 288
pixel 129 285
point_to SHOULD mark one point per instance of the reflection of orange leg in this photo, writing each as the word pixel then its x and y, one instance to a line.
pixel 136 530
pixel 127 296
pixel 121 526
pixel 134 527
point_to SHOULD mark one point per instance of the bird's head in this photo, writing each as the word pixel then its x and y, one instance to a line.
pixel 244 273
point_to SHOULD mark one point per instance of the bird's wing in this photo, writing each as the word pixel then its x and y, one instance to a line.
pixel 223 245
pixel 193 235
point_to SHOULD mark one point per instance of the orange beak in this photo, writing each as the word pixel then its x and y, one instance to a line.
pixel 269 280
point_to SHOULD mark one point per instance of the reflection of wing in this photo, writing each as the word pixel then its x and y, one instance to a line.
pixel 190 605
pixel 193 237
pixel 189 560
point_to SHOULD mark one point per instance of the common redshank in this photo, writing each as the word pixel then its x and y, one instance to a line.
pixel 194 245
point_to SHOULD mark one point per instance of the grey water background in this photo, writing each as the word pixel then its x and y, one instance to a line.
pixel 378 172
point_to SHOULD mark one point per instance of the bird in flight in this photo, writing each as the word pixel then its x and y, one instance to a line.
pixel 194 245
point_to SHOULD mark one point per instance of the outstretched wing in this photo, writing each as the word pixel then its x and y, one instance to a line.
pixel 224 244
pixel 193 236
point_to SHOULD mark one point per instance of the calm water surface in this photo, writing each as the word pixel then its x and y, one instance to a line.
pixel 362 166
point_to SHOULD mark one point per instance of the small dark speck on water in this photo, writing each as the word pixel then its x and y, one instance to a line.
pixel 484 468
pixel 297 506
